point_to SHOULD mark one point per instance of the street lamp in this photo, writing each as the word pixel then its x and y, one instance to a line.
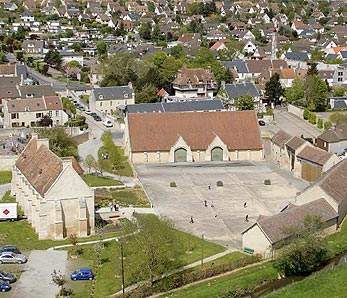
pixel 122 264
pixel 202 249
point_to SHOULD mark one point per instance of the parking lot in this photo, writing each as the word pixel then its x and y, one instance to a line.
pixel 224 222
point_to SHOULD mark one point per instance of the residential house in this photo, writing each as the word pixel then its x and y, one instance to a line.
pixel 51 192
pixel 278 148
pixel 36 91
pixel 10 6
pixel 194 83
pixel 334 139
pixel 27 112
pixel 294 146
pixel 27 16
pixel 192 137
pixel 233 92
pixel 107 99
pixel 337 103
pixel 70 55
pixel 32 46
pixel 239 69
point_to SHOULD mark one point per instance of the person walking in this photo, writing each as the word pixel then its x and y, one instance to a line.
pixel 110 205
pixel 205 203
pixel 209 186
pixel 247 217
pixel 244 204
pixel 191 220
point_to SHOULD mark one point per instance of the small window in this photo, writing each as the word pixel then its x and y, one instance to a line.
pixel 27 109
pixel 38 104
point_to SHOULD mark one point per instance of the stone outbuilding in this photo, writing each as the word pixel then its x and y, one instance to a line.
pixel 192 137
pixel 334 139
pixel 52 193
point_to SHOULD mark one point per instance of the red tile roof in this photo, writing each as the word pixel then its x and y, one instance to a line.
pixel 239 130
pixel 281 137
pixel 194 76
pixel 315 155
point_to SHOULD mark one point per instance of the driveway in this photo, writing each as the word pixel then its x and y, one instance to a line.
pixel 224 222
pixel 36 280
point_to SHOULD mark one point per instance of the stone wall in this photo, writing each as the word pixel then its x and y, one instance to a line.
pixel 296 111
pixel 7 162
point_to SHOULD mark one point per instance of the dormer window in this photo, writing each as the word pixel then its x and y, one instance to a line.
pixel 27 109
pixel 38 104
pixel 101 96
pixel 126 95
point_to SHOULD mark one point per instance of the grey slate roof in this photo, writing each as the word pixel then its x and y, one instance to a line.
pixel 187 106
pixel 296 56
pixel 338 103
pixel 111 93
pixel 238 90
pixel 240 66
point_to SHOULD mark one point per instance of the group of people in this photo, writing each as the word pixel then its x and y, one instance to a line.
pixel 104 156
pixel 113 207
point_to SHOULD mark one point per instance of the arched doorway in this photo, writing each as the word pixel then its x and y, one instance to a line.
pixel 180 155
pixel 217 154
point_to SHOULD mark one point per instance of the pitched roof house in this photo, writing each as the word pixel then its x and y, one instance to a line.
pixel 52 193
pixel 334 139
pixel 191 136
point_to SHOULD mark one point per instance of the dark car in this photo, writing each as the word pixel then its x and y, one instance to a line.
pixel 82 274
pixel 9 248
pixel 4 286
pixel 261 122
pixel 7 277
pixel 97 118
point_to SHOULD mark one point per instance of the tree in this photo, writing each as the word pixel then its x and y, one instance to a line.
pixel 339 92
pixel 295 93
pixel 177 51
pixel 53 58
pixel 273 88
pixel 338 118
pixel 147 94
pixel 245 102
pixel 307 249
pixel 152 248
pixel 145 31
pixel 316 93
pixel 312 71
pixel 59 280
pixel 59 141
pixel 90 162
pixel 45 121
pixel 101 48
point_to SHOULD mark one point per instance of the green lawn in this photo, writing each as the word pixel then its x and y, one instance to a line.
pixel 327 283
pixel 108 280
pixel 122 196
pixel 242 279
pixel 124 168
pixel 338 241
pixel 95 181
pixel 5 177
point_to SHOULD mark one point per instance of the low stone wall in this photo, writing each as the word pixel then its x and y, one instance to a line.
pixel 7 162
pixel 296 111
pixel 81 138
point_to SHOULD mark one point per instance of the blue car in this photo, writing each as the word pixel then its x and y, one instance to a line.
pixel 4 286
pixel 82 274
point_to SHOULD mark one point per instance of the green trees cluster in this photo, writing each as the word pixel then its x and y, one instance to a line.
pixel 274 89
pixel 53 58
pixel 157 71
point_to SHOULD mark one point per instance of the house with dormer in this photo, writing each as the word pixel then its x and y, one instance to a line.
pixel 52 193
pixel 194 83
pixel 107 99
pixel 192 137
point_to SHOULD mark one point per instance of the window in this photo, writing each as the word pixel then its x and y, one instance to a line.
pixel 339 79
pixel 57 113
pixel 39 115
pixel 14 116
pixel 340 73
pixel 50 114
pixel 27 109
pixel 100 104
pixel 110 102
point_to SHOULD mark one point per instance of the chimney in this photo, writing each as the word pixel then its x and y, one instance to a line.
pixel 130 84
pixel 66 162
pixel 44 142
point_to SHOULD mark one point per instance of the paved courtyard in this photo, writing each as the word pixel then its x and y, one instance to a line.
pixel 222 223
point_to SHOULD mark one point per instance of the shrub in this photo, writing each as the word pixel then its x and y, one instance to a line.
pixel 327 124
pixel 84 126
pixel 220 183
pixel 173 184
pixel 306 114
pixel 320 123
pixel 312 118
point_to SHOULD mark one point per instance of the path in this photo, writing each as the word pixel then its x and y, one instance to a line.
pixel 4 188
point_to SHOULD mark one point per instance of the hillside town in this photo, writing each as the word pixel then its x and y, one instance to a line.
pixel 149 146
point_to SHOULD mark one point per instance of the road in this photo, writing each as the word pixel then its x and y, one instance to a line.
pixel 292 124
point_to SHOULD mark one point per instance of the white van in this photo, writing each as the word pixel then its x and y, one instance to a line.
pixel 108 123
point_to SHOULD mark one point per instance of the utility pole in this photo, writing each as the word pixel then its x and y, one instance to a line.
pixel 202 249
pixel 122 264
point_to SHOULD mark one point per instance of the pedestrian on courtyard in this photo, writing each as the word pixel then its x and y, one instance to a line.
pixel 247 217
pixel 209 187
pixel 212 204
pixel 110 205
pixel 205 203
pixel 244 204
pixel 191 219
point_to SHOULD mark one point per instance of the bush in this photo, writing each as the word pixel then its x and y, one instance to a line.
pixel 306 114
pixel 312 118
pixel 220 183
pixel 320 123
pixel 327 124
pixel 173 184
pixel 84 126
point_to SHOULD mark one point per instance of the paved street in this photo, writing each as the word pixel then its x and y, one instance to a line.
pixel 223 223
pixel 292 124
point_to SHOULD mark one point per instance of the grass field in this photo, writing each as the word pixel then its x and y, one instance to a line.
pixel 95 181
pixel 327 283
pixel 5 177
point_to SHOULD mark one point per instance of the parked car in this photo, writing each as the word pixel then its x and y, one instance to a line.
pixel 261 122
pixel 96 117
pixel 10 257
pixel 7 277
pixel 4 286
pixel 82 274
pixel 88 112
pixel 108 123
pixel 9 248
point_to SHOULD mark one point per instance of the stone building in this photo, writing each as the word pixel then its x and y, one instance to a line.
pixel 51 192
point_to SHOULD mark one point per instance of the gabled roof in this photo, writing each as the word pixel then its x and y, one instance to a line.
pixel 238 65
pixel 241 89
pixel 40 166
pixel 113 93
pixel 334 134
pixel 50 103
pixel 36 90
pixel 298 56
pixel 333 182
pixel 7 69
pixel 274 226
pixel 295 142
pixel 315 155
pixel 159 131
pixel 194 76
pixel 186 106
pixel 281 137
